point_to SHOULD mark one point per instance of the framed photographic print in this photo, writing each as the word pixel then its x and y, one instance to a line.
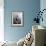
pixel 17 18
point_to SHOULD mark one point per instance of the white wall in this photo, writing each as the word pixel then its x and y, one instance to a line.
pixel 1 20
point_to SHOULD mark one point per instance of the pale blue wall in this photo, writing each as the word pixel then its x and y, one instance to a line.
pixel 43 6
pixel 29 7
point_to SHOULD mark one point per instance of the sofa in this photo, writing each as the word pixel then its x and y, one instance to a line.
pixel 26 41
pixel 39 37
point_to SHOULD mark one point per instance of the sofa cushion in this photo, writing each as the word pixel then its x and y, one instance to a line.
pixel 21 42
